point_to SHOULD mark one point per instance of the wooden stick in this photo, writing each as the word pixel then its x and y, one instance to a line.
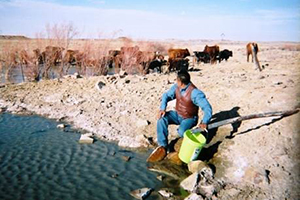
pixel 253 116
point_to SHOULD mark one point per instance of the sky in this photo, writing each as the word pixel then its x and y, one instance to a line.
pixel 239 20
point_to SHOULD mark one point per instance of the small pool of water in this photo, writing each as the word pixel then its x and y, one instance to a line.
pixel 40 161
pixel 15 75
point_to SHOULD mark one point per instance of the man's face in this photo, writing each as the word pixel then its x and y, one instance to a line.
pixel 179 83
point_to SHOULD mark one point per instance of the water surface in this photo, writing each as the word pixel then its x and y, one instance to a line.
pixel 40 161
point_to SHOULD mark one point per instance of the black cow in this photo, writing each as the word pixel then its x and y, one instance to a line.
pixel 155 64
pixel 202 56
pixel 178 64
pixel 224 55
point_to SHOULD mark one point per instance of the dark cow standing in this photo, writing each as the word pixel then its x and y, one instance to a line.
pixel 202 57
pixel 178 64
pixel 157 63
pixel 224 55
pixel 213 52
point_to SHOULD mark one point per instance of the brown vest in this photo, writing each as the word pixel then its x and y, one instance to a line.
pixel 184 104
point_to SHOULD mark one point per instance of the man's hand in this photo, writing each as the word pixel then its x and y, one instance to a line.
pixel 161 113
pixel 203 126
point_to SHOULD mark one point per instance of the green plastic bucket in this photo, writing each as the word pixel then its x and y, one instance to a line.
pixel 191 146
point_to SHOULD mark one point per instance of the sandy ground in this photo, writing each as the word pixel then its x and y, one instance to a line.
pixel 259 161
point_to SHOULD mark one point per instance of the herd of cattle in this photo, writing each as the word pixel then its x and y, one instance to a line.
pixel 142 61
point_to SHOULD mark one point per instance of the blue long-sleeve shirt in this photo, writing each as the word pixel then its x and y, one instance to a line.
pixel 197 96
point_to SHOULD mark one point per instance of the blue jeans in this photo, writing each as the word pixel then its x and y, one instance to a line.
pixel 172 117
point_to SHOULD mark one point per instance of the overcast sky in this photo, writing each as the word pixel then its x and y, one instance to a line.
pixel 243 20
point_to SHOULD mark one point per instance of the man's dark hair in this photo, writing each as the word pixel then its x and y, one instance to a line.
pixel 184 77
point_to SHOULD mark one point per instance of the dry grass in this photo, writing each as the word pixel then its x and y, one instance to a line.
pixel 291 47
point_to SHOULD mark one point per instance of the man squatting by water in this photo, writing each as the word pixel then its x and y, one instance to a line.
pixel 188 100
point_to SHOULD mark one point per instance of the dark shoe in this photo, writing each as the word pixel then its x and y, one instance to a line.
pixel 157 155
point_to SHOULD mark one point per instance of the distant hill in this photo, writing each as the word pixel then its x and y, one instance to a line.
pixel 13 37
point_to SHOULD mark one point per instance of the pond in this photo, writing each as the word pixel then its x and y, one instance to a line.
pixel 16 75
pixel 40 161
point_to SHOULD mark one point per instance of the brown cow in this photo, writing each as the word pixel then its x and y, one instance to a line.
pixel 129 49
pixel 249 49
pixel 144 58
pixel 54 55
pixel 39 56
pixel 128 58
pixel 114 58
pixel 117 60
pixel 213 52
pixel 69 57
pixel 176 58
pixel 114 53
pixel 178 53
pixel 25 59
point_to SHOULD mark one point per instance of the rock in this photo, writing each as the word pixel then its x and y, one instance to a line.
pixel 61 126
pixel 76 76
pixel 165 193
pixel 142 122
pixel 173 157
pixel 114 175
pixel 191 182
pixel 169 169
pixel 206 190
pixel 2 110
pixel 99 85
pixel 206 173
pixel 194 196
pixel 196 166
pixel 142 193
pixel 256 176
pixel 160 177
pixel 126 158
pixel 232 192
pixel 86 139
pixel 178 144
pixel 149 140
pixel 122 73
pixel 278 83
pixel 127 81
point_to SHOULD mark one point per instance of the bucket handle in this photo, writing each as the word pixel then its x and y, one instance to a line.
pixel 197 130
